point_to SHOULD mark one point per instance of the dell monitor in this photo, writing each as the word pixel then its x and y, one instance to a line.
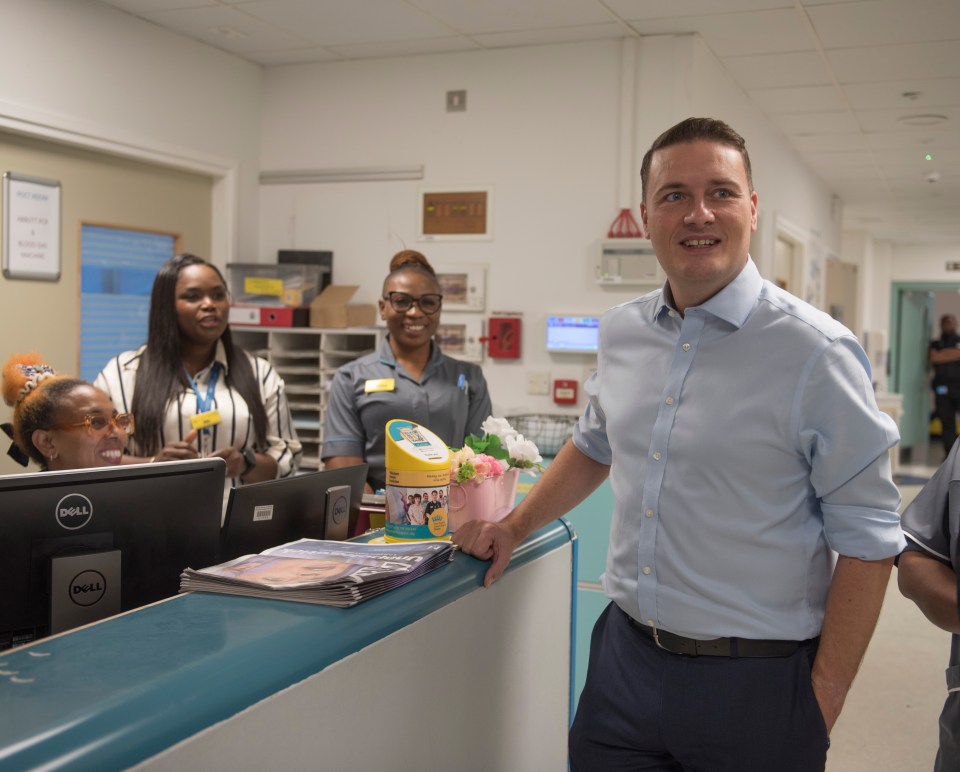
pixel 316 505
pixel 81 545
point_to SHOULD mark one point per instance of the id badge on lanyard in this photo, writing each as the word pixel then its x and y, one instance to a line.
pixel 207 416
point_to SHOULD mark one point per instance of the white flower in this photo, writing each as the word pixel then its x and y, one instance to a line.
pixel 459 456
pixel 523 453
pixel 499 426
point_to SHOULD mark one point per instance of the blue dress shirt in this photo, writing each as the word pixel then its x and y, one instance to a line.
pixel 745 447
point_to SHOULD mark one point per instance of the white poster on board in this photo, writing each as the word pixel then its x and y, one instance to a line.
pixel 31 227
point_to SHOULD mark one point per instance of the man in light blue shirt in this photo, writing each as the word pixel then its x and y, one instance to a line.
pixel 744 447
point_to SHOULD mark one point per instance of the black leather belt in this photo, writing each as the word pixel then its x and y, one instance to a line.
pixel 717 647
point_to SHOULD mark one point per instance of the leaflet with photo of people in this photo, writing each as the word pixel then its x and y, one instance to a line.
pixel 332 573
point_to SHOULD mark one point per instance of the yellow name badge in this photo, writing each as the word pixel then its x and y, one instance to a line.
pixel 380 384
pixel 205 420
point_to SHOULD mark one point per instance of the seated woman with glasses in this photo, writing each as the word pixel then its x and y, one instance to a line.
pixel 408 378
pixel 60 422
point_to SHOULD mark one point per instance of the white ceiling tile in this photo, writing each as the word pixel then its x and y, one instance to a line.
pixel 644 9
pixel 283 56
pixel 238 33
pixel 142 6
pixel 345 22
pixel 921 141
pixel 818 99
pixel 884 22
pixel 888 120
pixel 842 163
pixel 900 62
pixel 729 34
pixel 778 70
pixel 544 36
pixel 827 143
pixel 406 48
pixel 816 123
pixel 475 18
pixel 930 92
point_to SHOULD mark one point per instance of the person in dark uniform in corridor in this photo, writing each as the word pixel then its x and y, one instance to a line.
pixel 944 357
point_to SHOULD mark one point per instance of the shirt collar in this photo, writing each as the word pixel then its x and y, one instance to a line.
pixel 733 303
pixel 220 357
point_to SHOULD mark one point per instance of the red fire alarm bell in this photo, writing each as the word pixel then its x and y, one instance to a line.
pixel 565 392
pixel 503 338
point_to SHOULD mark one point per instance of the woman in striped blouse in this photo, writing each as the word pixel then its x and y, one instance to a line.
pixel 193 392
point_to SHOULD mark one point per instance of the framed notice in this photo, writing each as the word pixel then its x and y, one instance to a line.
pixel 461 340
pixel 463 286
pixel 455 214
pixel 31 227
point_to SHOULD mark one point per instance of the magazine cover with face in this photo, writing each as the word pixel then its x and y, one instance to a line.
pixel 317 571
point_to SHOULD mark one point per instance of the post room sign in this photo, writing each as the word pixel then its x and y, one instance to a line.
pixel 31 227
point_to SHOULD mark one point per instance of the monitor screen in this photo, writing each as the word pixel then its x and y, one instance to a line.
pixel 576 334
pixel 316 505
pixel 81 545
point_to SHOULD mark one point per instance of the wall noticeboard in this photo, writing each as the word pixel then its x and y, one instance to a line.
pixel 31 227
pixel 455 214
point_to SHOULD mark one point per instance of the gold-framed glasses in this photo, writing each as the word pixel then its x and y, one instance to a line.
pixel 97 424
pixel 401 302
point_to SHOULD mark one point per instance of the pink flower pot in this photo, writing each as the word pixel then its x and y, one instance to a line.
pixel 490 500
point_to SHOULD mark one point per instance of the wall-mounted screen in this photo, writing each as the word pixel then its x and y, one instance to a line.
pixel 573 334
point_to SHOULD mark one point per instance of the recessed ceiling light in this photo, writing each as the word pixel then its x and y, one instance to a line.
pixel 922 119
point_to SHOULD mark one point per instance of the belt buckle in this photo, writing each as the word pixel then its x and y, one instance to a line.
pixel 656 638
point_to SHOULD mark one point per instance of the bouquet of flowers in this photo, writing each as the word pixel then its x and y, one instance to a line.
pixel 499 450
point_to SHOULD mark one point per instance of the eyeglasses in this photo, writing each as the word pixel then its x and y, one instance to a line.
pixel 97 424
pixel 401 302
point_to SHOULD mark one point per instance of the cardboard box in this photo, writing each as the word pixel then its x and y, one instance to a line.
pixel 332 308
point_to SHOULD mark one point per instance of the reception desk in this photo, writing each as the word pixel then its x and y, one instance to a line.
pixel 438 674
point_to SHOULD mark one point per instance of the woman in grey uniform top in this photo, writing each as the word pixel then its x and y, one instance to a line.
pixel 409 378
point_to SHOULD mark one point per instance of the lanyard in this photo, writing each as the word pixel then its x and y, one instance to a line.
pixel 205 403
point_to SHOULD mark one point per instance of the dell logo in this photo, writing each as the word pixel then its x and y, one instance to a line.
pixel 339 509
pixel 87 588
pixel 74 511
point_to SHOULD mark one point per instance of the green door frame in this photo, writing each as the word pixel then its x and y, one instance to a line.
pixel 893 336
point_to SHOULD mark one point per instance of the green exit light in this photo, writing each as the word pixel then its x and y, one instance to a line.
pixel 928 157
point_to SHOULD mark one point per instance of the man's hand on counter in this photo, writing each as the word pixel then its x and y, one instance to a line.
pixel 488 541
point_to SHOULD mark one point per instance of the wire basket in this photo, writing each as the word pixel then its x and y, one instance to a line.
pixel 547 431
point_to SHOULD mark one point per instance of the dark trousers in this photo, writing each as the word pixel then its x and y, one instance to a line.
pixel 646 709
pixel 947 405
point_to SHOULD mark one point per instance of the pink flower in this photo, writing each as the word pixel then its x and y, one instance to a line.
pixel 485 466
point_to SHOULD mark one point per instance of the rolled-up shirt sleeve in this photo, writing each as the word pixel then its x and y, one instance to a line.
pixel 846 440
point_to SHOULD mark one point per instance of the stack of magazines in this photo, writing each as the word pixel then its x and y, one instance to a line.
pixel 332 573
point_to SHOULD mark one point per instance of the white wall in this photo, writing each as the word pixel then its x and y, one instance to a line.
pixel 542 127
pixel 88 74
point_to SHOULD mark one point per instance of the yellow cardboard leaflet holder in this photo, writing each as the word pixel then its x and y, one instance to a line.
pixel 418 483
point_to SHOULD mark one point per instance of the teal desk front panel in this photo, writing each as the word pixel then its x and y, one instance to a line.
pixel 113 694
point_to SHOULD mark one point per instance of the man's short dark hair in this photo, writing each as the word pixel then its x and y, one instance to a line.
pixel 696 130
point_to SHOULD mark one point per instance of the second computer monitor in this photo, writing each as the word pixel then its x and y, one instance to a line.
pixel 316 505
